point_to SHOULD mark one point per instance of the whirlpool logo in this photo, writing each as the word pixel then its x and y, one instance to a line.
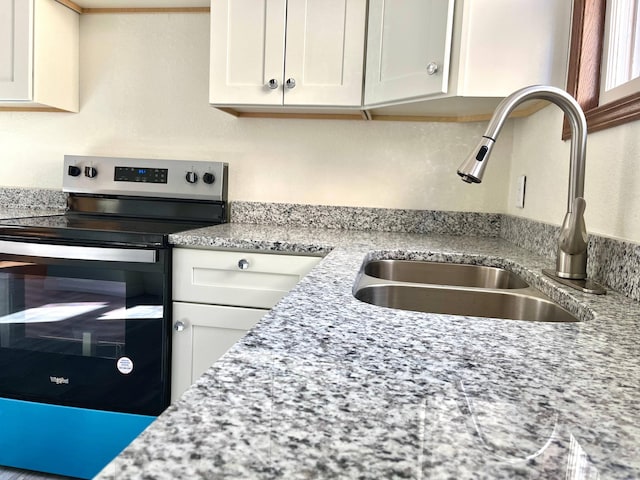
pixel 59 380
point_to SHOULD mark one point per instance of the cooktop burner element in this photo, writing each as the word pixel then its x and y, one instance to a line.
pixel 100 229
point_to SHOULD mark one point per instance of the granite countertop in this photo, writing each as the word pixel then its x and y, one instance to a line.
pixel 326 386
pixel 22 212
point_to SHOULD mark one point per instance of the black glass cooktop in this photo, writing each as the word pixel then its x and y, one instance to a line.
pixel 95 229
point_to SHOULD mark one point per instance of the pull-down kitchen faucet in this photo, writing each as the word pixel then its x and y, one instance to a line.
pixel 571 260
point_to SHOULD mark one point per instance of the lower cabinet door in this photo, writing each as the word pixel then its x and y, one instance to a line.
pixel 201 335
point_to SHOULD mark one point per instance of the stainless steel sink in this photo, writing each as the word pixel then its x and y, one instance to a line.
pixel 454 289
pixel 457 274
pixel 467 302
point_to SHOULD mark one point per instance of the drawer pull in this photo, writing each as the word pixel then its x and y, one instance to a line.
pixel 243 264
pixel 179 326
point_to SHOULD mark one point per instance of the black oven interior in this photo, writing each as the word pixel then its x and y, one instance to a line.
pixel 85 333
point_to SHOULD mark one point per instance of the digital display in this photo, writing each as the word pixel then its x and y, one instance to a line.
pixel 141 175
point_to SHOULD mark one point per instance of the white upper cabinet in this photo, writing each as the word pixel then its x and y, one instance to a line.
pixel 325 52
pixel 408 49
pixel 459 57
pixel 15 65
pixel 38 55
pixel 247 51
pixel 287 52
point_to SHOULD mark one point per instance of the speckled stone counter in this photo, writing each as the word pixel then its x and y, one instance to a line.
pixel 32 198
pixel 22 202
pixel 326 386
pixel 8 213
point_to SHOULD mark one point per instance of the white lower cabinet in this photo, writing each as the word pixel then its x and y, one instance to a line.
pixel 202 334
pixel 217 297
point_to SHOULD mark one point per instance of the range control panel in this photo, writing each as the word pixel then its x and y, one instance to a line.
pixel 196 180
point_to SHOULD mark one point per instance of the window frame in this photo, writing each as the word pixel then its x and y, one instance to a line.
pixel 583 77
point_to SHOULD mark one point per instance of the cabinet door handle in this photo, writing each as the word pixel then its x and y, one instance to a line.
pixel 272 84
pixel 432 68
pixel 243 264
pixel 179 326
pixel 291 83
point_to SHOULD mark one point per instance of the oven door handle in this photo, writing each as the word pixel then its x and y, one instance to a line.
pixel 73 252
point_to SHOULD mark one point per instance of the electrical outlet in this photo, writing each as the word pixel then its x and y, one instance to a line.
pixel 520 191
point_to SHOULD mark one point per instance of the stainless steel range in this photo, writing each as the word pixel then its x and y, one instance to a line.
pixel 85 309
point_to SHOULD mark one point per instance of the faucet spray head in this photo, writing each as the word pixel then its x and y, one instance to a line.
pixel 472 169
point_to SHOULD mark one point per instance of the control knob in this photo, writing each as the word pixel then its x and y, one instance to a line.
pixel 191 177
pixel 90 172
pixel 208 178
pixel 74 171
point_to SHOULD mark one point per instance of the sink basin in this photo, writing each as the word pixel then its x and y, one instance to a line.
pixel 454 289
pixel 468 302
pixel 455 274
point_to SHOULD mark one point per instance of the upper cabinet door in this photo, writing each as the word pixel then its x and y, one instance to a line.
pixel 321 65
pixel 16 49
pixel 325 52
pixel 247 51
pixel 408 49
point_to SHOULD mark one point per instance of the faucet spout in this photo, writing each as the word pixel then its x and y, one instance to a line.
pixel 571 261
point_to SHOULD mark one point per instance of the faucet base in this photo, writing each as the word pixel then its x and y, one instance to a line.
pixel 572 266
pixel 584 285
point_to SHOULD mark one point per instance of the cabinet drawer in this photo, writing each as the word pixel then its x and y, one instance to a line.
pixel 209 276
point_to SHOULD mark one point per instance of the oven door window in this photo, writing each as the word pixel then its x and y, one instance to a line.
pixel 89 334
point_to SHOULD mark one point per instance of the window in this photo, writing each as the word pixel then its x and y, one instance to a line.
pixel 621 49
pixel 587 43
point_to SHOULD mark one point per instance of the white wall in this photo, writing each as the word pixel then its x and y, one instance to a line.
pixel 612 185
pixel 144 93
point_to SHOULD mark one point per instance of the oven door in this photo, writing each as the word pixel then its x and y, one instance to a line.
pixel 85 326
